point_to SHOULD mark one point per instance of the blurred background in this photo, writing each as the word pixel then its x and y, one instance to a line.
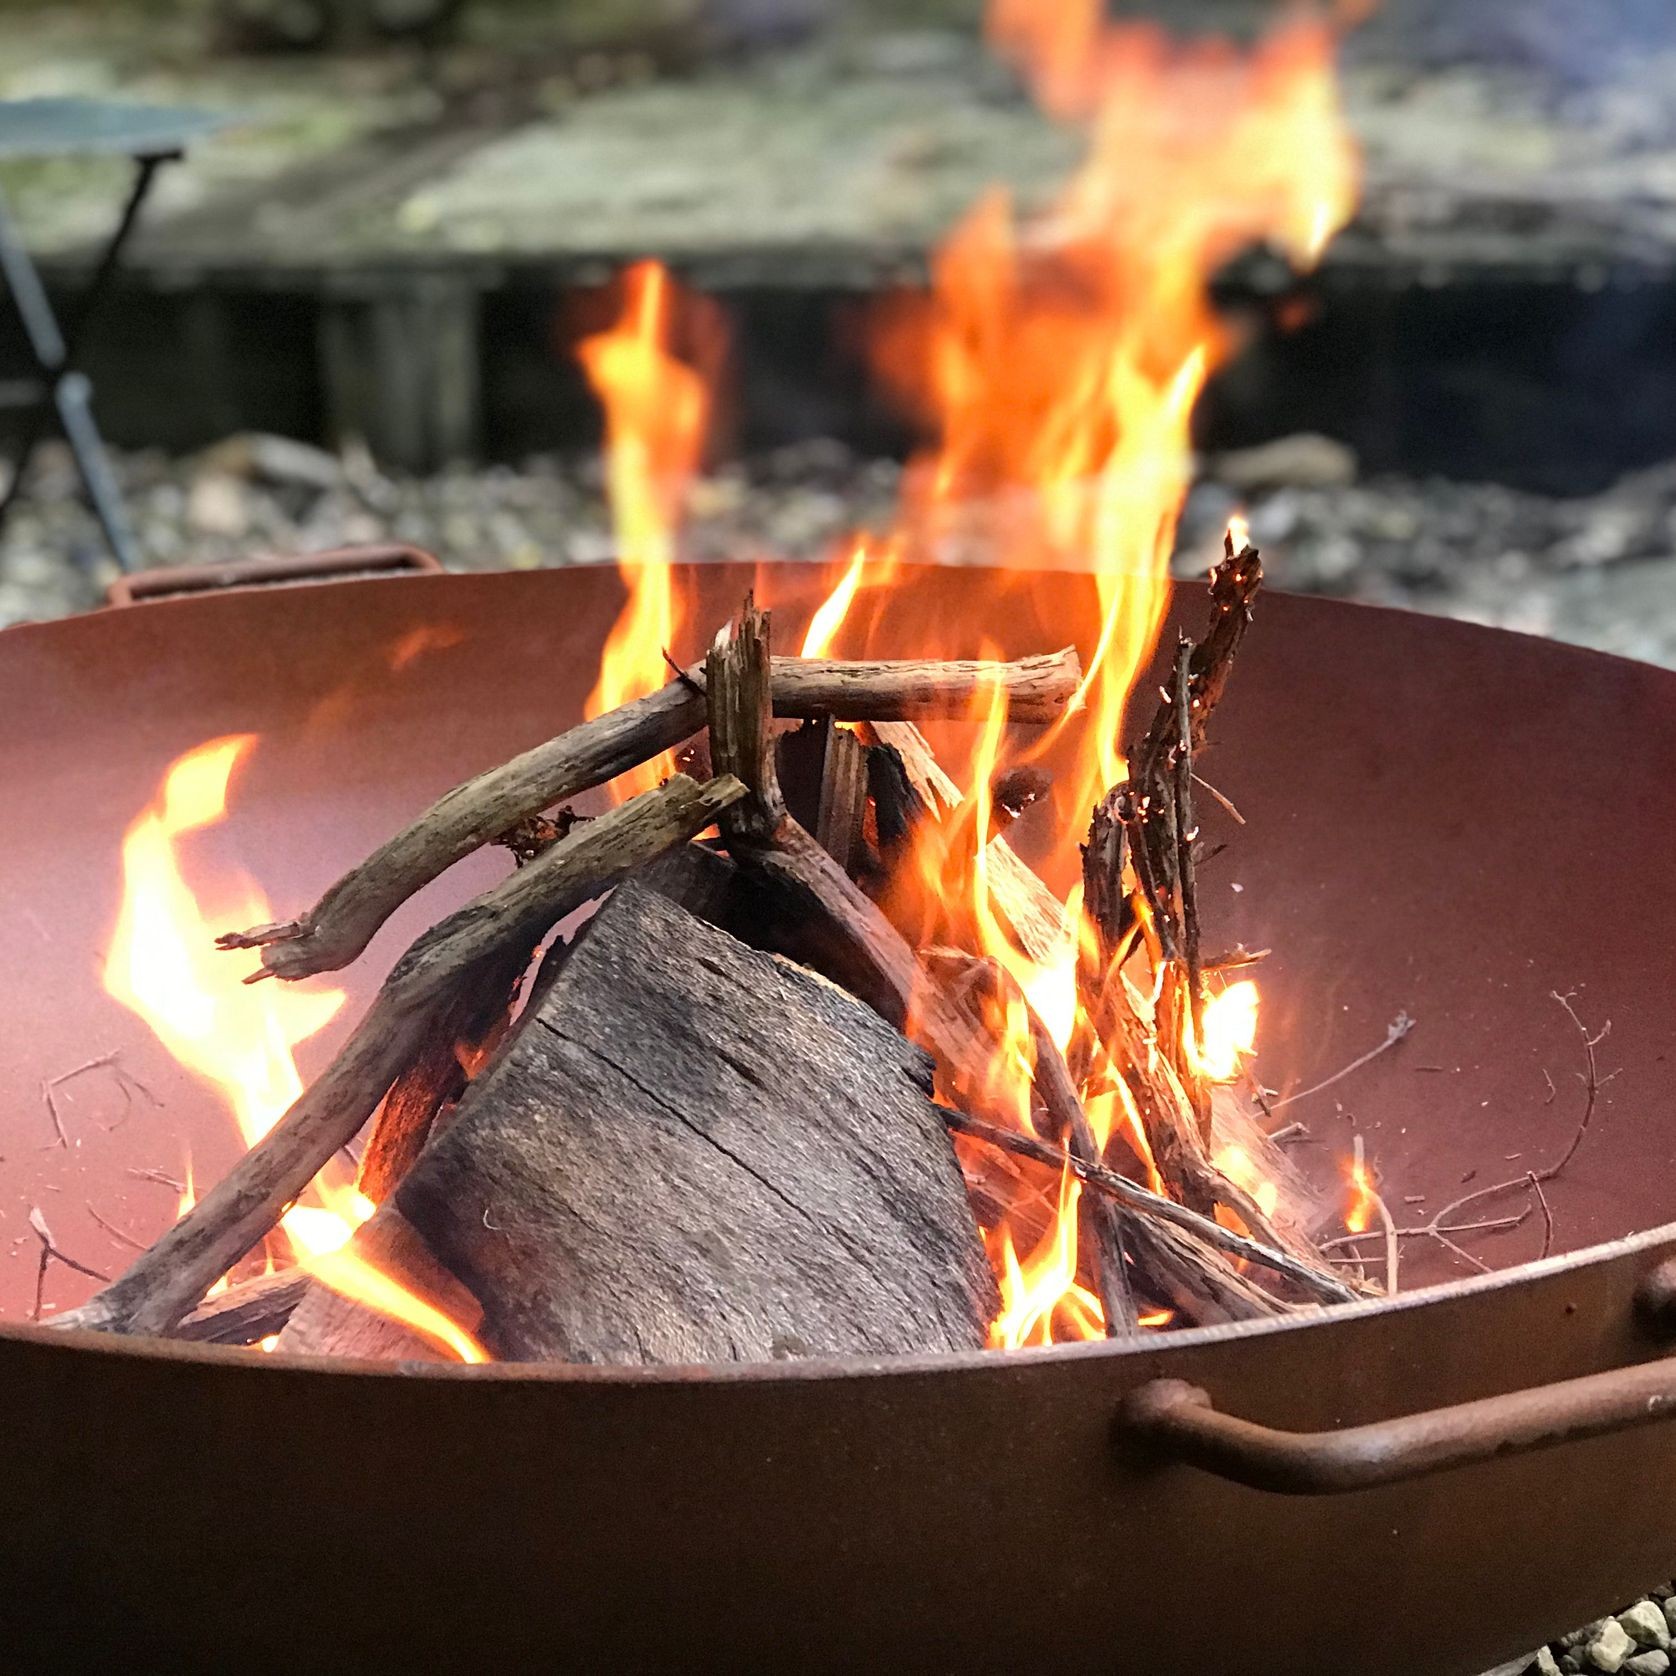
pixel 352 314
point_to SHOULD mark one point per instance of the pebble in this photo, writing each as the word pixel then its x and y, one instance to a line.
pixel 1645 1624
pixel 1611 1647
pixel 1477 551
pixel 1670 1613
pixel 1653 1663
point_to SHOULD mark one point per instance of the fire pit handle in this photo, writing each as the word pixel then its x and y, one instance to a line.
pixel 339 562
pixel 1179 1423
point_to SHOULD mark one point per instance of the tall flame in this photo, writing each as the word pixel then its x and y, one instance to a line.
pixel 657 409
pixel 238 1037
pixel 1059 362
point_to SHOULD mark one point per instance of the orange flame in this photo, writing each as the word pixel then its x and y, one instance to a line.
pixel 1364 1197
pixel 656 413
pixel 238 1037
pixel 1060 363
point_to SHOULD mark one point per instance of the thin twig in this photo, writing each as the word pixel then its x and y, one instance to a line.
pixel 1148 1203
pixel 50 1250
pixel 1592 1081
pixel 1200 780
pixel 1398 1028
pixel 112 1229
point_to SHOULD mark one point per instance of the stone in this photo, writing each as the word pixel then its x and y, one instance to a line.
pixel 1545 1664
pixel 1305 461
pixel 1654 1662
pixel 1645 1624
pixel 1670 1614
pixel 1611 1647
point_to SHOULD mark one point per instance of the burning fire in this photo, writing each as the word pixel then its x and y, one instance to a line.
pixel 1059 361
pixel 238 1037
pixel 657 409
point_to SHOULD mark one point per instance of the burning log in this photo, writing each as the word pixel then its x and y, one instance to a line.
pixel 698 1152
pixel 342 923
pixel 174 1274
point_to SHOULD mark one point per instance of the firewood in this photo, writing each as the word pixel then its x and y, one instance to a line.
pixel 822 768
pixel 467 1019
pixel 343 921
pixel 168 1279
pixel 245 1313
pixel 859 944
pixel 699 1152
pixel 326 1323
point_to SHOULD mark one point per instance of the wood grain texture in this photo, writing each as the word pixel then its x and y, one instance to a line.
pixel 698 1152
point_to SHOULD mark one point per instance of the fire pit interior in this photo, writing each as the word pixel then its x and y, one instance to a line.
pixel 971 960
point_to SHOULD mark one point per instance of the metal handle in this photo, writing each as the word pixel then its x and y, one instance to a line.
pixel 248 573
pixel 1179 1421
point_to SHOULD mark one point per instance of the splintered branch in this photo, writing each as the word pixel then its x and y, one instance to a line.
pixel 234 1215
pixel 341 924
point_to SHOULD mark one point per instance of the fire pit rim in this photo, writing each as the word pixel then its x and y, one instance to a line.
pixel 1152 1345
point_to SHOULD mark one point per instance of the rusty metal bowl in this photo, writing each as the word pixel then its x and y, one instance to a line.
pixel 1442 819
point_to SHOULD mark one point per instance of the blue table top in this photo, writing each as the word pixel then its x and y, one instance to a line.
pixel 72 127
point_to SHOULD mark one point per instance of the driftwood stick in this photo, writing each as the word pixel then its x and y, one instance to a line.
pixel 343 921
pixel 174 1274
pixel 247 1313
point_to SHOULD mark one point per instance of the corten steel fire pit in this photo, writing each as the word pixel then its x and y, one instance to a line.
pixel 1442 819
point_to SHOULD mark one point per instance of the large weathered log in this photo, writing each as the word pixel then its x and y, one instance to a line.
pixel 167 1280
pixel 698 1152
pixel 343 921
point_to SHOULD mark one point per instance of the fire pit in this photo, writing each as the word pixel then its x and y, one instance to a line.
pixel 731 1182
pixel 655 1514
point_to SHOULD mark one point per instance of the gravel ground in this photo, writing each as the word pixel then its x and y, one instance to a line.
pixel 1600 571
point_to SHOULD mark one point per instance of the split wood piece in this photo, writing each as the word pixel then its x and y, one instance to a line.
pixel 697 1152
pixel 1035 916
pixel 822 767
pixel 470 1019
pixel 167 1280
pixel 343 921
pixel 246 1313
pixel 863 948
pixel 326 1323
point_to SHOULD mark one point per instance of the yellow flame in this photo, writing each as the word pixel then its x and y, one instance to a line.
pixel 238 1037
pixel 1230 1022
pixel 656 413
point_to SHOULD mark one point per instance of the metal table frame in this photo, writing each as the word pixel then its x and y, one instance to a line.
pixel 59 391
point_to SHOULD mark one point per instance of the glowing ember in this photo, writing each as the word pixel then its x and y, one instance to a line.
pixel 656 411
pixel 1364 1197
